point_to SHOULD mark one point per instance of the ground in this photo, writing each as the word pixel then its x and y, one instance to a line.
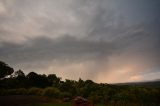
pixel 17 100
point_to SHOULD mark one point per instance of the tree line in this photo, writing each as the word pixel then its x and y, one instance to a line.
pixel 17 83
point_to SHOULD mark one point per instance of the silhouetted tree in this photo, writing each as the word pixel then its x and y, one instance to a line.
pixel 69 86
pixel 5 70
pixel 19 73
pixel 53 80
pixel 32 78
pixel 36 80
pixel 20 79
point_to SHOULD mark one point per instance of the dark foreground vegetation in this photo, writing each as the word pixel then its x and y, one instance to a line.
pixel 49 88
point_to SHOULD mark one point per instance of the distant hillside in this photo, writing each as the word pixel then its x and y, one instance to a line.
pixel 155 83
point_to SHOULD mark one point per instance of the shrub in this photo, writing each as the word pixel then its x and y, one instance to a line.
pixel 3 92
pixel 51 92
pixel 65 95
pixel 96 99
pixel 21 91
pixel 35 91
pixel 11 92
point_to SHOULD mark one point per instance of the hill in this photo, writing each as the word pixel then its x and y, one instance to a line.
pixel 155 83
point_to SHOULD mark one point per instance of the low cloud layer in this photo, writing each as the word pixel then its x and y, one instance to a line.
pixel 98 40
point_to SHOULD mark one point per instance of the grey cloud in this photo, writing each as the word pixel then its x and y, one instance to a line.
pixel 67 47
pixel 50 18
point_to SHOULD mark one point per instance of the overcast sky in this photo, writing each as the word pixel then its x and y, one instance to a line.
pixel 103 40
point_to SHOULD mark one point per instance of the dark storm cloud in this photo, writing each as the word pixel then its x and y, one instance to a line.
pixel 41 49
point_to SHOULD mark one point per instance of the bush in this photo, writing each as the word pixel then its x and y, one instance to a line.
pixel 96 99
pixel 3 92
pixel 21 91
pixel 51 92
pixel 10 92
pixel 35 91
pixel 65 95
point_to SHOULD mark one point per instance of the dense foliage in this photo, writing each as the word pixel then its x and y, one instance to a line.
pixel 52 86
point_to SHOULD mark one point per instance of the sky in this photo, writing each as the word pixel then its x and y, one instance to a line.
pixel 107 41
